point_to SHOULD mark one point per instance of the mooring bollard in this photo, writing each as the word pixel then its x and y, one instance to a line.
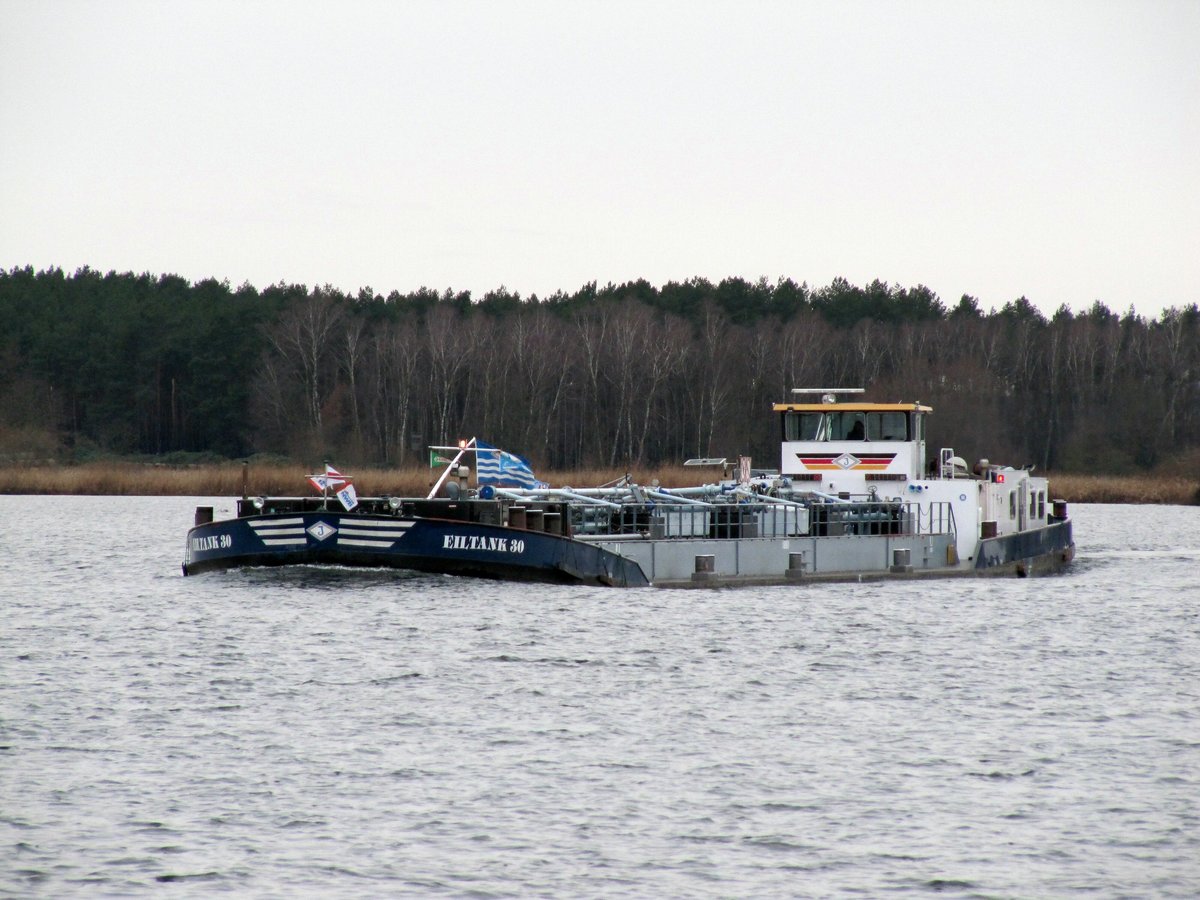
pixel 901 560
pixel 204 515
pixel 516 517
pixel 797 565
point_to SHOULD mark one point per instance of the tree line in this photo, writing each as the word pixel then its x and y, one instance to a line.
pixel 628 374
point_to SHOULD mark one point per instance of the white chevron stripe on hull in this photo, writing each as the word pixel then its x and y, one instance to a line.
pixel 368 534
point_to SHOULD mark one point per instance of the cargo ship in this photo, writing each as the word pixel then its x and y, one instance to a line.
pixel 856 496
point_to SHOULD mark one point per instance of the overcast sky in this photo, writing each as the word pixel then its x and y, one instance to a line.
pixel 1000 149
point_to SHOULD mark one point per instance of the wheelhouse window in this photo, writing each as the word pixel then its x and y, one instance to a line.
pixel 799 426
pixel 845 425
pixel 848 426
pixel 887 426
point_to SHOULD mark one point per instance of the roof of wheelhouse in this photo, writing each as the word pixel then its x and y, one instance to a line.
pixel 851 406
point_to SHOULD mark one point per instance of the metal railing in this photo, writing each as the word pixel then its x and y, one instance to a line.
pixel 666 520
pixel 696 519
pixel 726 521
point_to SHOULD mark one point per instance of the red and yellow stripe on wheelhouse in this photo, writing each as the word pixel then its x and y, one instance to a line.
pixel 846 462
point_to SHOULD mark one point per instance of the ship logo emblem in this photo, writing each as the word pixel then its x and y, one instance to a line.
pixel 846 461
pixel 321 530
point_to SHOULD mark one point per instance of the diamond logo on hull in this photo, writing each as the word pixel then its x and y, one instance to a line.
pixel 847 461
pixel 321 530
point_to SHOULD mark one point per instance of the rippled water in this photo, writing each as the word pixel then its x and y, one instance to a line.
pixel 326 732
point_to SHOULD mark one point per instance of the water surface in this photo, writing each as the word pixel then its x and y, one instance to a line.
pixel 329 732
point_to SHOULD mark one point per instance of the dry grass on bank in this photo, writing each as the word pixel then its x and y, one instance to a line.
pixel 226 480
pixel 116 479
pixel 1174 490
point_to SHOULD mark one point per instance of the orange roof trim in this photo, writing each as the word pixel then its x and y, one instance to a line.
pixel 850 407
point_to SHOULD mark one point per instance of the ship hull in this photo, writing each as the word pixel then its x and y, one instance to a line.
pixel 813 560
pixel 455 547
pixel 1033 552
pixel 425 545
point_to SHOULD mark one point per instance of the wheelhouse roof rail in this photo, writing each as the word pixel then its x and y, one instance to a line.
pixel 829 390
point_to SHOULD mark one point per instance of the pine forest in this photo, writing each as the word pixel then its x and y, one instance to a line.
pixel 96 364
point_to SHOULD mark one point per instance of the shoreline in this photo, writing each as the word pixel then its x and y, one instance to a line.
pixel 226 479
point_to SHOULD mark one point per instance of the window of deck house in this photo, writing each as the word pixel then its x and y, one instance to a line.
pixel 803 426
pixel 846 426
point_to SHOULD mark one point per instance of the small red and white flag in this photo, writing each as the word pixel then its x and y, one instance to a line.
pixel 332 480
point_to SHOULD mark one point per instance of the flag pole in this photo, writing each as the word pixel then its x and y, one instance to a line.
pixel 470 445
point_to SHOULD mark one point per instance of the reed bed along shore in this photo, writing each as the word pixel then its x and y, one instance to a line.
pixel 1173 489
pixel 219 480
pixel 116 479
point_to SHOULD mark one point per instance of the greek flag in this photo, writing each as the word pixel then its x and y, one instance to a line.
pixel 502 469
